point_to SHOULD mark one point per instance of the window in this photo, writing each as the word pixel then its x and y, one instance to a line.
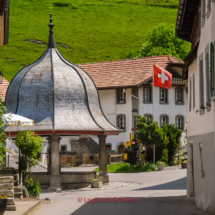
pixel 179 95
pixel 203 12
pixel 193 91
pixel 121 96
pixel 180 122
pixel 208 8
pixel 163 120
pixel 163 96
pixel 108 146
pixel 201 84
pixel 207 77
pixel 63 148
pixel 121 122
pixel 148 116
pixel 147 94
pixel 190 92
pixel 201 160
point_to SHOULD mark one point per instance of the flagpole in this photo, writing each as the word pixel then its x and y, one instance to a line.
pixel 153 109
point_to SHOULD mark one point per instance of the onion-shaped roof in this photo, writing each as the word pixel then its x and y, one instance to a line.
pixel 59 96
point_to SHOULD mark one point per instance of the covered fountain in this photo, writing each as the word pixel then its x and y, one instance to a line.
pixel 62 100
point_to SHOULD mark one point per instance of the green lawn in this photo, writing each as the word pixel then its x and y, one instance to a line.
pixel 126 167
pixel 85 30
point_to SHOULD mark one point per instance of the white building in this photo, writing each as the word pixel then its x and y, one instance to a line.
pixel 198 28
pixel 117 81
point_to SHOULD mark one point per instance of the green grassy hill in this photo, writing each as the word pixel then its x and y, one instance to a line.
pixel 85 30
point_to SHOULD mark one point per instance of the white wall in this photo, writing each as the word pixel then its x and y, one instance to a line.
pixel 111 109
pixel 201 128
pixel 156 109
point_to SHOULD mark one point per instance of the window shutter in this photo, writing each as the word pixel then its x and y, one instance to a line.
pixel 117 94
pixel 166 96
pixel 176 95
pixel 182 123
pixel 209 5
pixel 144 94
pixel 193 91
pixel 150 94
pixel 190 90
pixel 182 95
pixel 211 69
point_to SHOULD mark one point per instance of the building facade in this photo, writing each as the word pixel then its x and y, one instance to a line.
pixel 198 28
pixel 127 84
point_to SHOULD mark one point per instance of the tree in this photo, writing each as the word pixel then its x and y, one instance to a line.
pixel 2 133
pixel 161 40
pixel 30 145
pixel 149 134
pixel 173 134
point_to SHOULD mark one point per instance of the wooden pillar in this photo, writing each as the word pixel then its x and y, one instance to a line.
pixel 103 176
pixel 55 178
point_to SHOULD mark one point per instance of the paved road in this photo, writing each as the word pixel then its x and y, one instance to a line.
pixel 156 193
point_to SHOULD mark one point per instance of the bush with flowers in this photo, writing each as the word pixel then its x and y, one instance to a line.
pixel 3 197
pixel 33 187
pixel 2 133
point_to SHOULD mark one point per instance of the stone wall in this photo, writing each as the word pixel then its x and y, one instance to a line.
pixel 68 179
pixel 83 146
pixel 7 189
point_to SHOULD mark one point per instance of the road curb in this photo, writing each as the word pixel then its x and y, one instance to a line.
pixel 30 209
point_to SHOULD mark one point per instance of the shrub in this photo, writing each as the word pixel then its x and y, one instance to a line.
pixel 33 188
pixel 161 40
pixel 160 163
pixel 30 145
pixel 2 133
pixel 126 167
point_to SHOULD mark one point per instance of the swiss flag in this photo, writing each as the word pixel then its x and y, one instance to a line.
pixel 162 78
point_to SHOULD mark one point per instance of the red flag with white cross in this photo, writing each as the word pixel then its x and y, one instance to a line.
pixel 162 78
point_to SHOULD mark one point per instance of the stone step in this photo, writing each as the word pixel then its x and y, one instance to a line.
pixel 10 207
pixel 6 186
pixel 15 183
pixel 18 195
pixel 10 201
pixel 17 189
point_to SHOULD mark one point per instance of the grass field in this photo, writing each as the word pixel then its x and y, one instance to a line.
pixel 85 30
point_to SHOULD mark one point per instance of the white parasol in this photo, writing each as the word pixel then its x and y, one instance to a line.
pixel 15 120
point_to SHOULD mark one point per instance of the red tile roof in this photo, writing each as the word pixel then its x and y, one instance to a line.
pixel 125 73
pixel 120 73
pixel 3 88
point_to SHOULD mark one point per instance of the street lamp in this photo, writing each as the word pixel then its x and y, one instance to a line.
pixel 135 113
pixel 1 77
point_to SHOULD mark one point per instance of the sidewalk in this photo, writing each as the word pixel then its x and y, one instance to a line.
pixel 23 207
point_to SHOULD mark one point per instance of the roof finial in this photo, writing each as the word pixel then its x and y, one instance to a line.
pixel 51 43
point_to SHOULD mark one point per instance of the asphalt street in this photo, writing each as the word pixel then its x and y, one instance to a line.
pixel 154 193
